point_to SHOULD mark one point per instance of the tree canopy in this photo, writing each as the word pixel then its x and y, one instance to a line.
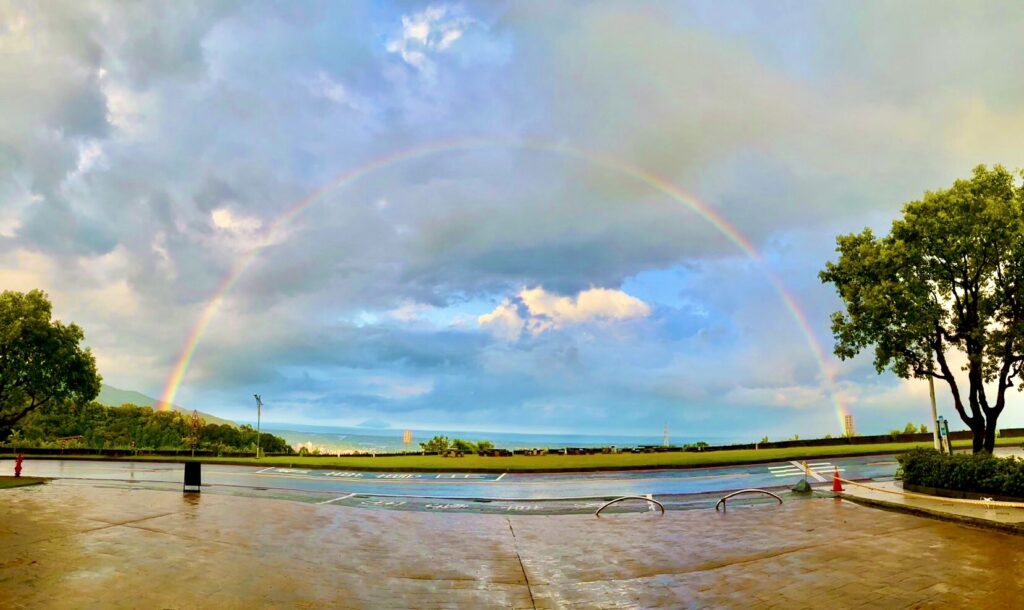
pixel 41 360
pixel 942 295
pixel 129 425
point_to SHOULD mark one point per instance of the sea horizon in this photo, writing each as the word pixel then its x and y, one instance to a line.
pixel 355 438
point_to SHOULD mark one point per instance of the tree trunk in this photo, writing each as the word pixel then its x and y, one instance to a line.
pixel 990 434
pixel 977 439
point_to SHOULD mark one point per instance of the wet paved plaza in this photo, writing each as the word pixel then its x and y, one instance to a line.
pixel 74 546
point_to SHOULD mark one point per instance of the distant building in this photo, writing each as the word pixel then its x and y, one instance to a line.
pixel 848 429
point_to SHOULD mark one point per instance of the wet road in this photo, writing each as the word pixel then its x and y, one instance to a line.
pixel 463 492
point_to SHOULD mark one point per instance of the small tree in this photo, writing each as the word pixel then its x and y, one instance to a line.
pixel 483 446
pixel 910 429
pixel 41 361
pixel 947 281
pixel 438 444
pixel 923 429
pixel 463 446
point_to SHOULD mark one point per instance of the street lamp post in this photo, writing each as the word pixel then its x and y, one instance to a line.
pixel 935 412
pixel 935 415
pixel 259 409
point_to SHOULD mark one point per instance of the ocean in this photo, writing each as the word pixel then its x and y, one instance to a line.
pixel 331 439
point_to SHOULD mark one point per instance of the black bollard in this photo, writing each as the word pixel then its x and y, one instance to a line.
pixel 193 477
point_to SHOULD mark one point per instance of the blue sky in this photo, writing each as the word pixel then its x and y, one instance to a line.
pixel 148 147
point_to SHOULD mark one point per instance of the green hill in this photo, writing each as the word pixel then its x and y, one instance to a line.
pixel 115 397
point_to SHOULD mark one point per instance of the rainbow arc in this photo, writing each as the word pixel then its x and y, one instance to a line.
pixel 656 183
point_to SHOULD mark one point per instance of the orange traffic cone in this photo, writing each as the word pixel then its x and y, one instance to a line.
pixel 836 484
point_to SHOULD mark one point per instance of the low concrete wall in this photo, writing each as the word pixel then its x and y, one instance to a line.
pixel 955 493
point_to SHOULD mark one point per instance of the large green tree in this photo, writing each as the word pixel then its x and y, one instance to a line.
pixel 942 294
pixel 41 361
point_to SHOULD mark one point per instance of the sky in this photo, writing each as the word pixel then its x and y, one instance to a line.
pixel 516 216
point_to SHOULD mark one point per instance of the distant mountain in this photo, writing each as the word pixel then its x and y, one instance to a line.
pixel 115 397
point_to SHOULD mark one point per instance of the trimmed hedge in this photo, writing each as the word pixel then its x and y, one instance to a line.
pixel 979 473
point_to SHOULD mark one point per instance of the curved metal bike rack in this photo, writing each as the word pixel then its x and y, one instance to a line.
pixel 746 491
pixel 644 498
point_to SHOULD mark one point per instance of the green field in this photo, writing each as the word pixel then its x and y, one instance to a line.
pixel 554 463
pixel 9 482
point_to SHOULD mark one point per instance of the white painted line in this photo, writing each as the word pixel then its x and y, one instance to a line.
pixel 650 505
pixel 811 471
pixel 500 477
pixel 336 499
pixel 265 469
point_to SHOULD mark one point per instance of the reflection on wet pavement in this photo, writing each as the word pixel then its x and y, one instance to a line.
pixel 71 545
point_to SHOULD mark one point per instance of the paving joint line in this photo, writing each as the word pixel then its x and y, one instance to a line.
pixel 515 544
pixel 710 567
pixel 89 530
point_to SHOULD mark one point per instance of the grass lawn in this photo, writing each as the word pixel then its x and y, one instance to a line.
pixel 552 463
pixel 7 482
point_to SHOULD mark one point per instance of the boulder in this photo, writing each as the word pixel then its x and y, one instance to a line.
pixel 803 487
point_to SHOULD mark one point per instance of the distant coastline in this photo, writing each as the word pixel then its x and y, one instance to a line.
pixel 335 439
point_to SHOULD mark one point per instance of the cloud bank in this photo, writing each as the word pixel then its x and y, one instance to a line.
pixel 146 148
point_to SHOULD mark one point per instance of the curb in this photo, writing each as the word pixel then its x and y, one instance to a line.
pixel 931 513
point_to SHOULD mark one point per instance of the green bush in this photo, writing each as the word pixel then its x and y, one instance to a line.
pixel 979 473
pixel 463 446
pixel 438 444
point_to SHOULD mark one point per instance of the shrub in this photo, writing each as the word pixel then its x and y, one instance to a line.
pixel 438 444
pixel 979 473
pixel 463 445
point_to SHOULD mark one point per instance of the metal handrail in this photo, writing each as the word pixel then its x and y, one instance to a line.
pixel 644 498
pixel 746 491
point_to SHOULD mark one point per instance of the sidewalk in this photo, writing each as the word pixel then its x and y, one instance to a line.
pixel 1010 519
pixel 69 545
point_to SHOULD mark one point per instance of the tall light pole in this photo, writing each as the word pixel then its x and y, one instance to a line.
pixel 259 409
pixel 935 413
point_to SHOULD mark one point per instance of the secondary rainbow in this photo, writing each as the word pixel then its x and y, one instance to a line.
pixel 705 211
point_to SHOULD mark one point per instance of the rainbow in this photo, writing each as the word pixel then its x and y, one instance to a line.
pixel 705 211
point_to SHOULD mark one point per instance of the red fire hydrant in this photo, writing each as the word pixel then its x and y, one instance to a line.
pixel 17 465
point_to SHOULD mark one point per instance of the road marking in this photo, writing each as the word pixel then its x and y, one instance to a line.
pixel 336 499
pixel 811 471
pixel 501 477
pixel 797 473
pixel 264 470
pixel 650 505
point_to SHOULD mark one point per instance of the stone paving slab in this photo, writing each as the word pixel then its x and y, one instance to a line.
pixel 81 547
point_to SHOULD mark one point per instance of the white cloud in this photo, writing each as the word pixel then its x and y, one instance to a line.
pixel 589 305
pixel 434 30
pixel 226 221
pixel 322 85
pixel 411 311
pixel 550 311
pixel 504 321
pixel 90 156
